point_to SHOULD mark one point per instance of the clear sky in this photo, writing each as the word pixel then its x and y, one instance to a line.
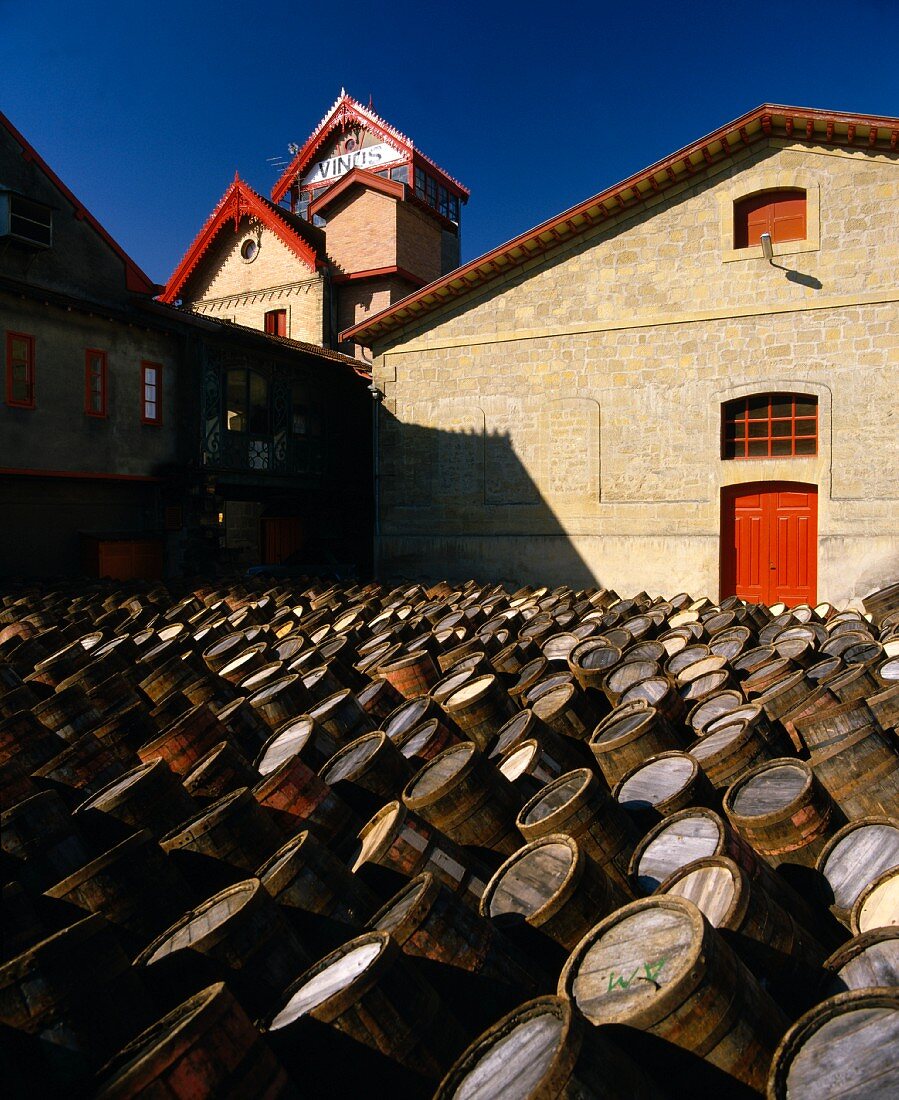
pixel 146 109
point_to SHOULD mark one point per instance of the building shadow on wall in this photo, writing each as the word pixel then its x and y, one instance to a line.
pixel 459 503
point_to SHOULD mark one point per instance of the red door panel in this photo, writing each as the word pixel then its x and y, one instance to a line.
pixel 769 543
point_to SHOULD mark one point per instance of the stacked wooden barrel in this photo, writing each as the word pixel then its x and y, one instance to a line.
pixel 446 832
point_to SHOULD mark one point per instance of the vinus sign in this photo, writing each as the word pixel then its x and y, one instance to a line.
pixel 372 158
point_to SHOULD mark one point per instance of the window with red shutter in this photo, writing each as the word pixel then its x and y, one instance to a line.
pixel 780 213
pixel 276 322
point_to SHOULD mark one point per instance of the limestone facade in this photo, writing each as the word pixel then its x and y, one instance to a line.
pixel 562 423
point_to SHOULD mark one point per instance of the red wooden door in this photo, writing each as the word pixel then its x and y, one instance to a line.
pixel 281 537
pixel 769 542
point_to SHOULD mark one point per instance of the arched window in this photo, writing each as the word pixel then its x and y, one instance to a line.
pixel 780 213
pixel 246 397
pixel 770 425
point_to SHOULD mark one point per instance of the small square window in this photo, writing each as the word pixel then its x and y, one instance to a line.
pixel 95 382
pixel 151 393
pixel 20 370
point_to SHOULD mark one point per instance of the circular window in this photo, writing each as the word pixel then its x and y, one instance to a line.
pixel 249 250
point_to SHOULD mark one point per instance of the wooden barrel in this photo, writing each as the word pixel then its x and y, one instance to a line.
pixel 69 712
pixel 170 676
pixel 844 1046
pixel 822 726
pixel 405 844
pixel 342 717
pixel 779 744
pixel 463 795
pixel 729 752
pixel 523 726
pixel 569 712
pixel 853 683
pixel 124 731
pixel 529 767
pixel 41 842
pixel 591 661
pixel 427 740
pixel 304 874
pixel 412 674
pixel 860 773
pixel 552 885
pixel 220 771
pixel 662 785
pixel 246 940
pixel 429 921
pixel 261 677
pixel 779 952
pixel 784 696
pixel 186 741
pixel 379 699
pixel 371 762
pixel 207 1046
pixel 295 798
pixel 302 737
pixel 480 709
pixel 280 700
pixel 368 989
pixel 77 995
pixel 243 663
pixel 877 906
pixel 321 683
pixel 627 737
pixel 82 769
pixel 710 710
pixel 225 842
pixel 698 833
pixel 134 886
pixel 545 1048
pixel 244 726
pixel 548 683
pixel 658 965
pixel 884 706
pixel 766 676
pixel 868 959
pixel 854 857
pixel 783 811
pixel 150 797
pixel 581 805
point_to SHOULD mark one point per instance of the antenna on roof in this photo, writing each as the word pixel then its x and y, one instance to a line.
pixel 293 148
pixel 371 102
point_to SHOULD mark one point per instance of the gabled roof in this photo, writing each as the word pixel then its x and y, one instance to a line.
pixel 357 177
pixel 238 201
pixel 346 112
pixel 793 123
pixel 135 279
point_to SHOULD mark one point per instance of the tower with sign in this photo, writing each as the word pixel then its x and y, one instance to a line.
pixel 359 218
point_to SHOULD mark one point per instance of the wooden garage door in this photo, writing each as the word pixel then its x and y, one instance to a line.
pixel 769 542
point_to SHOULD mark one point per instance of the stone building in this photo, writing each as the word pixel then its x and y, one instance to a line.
pixel 358 219
pixel 137 439
pixel 686 382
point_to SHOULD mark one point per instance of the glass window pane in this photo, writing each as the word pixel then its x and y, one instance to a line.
pixel 236 395
pixel 19 348
pixel 258 411
pixel 758 408
pixel 781 405
pixel 806 407
pixel 758 448
pixel 781 447
pixel 730 449
pixel 805 427
pixel 806 446
pixel 758 427
pixel 781 427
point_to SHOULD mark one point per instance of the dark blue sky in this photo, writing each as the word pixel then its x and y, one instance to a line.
pixel 146 109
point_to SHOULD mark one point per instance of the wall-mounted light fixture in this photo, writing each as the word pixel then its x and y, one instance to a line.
pixel 767 247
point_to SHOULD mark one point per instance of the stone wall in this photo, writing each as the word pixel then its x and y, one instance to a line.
pixel 589 387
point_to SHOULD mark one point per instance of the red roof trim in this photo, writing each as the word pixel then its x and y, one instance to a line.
pixel 362 178
pixel 239 200
pixel 345 111
pixel 379 272
pixel 763 122
pixel 135 279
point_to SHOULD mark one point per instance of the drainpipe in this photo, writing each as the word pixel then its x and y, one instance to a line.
pixel 377 396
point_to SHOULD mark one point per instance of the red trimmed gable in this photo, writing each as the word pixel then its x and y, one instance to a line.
pixel 358 177
pixel 240 200
pixel 135 279
pixel 347 112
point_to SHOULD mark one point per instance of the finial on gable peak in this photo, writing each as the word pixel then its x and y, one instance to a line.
pixel 342 91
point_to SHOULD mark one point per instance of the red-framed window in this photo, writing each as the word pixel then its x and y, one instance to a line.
pixel 151 393
pixel 782 214
pixel 276 322
pixel 770 425
pixel 20 370
pixel 95 382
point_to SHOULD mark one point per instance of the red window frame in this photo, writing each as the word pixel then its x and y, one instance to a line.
pixel 13 361
pixel 95 382
pixel 782 214
pixel 276 322
pixel 770 425
pixel 154 384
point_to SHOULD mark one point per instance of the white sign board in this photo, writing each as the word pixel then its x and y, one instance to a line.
pixel 371 158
